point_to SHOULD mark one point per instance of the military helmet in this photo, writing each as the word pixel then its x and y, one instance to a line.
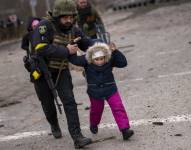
pixel 64 7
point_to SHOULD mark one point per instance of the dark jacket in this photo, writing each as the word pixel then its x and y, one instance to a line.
pixel 44 34
pixel 100 79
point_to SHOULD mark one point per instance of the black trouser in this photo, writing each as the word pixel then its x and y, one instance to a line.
pixel 65 92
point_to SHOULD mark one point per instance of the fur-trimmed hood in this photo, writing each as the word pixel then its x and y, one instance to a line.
pixel 98 46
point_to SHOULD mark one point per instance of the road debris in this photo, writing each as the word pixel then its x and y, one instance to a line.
pixel 158 123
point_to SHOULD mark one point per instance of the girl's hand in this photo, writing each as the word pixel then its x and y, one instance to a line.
pixel 112 46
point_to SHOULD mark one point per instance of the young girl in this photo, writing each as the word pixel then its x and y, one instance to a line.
pixel 98 64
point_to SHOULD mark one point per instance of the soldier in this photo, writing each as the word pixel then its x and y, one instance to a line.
pixel 52 40
pixel 88 19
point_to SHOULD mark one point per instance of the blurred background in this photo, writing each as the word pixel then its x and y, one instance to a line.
pixel 155 37
pixel 14 14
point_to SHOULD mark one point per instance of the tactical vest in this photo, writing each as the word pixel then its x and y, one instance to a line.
pixel 60 39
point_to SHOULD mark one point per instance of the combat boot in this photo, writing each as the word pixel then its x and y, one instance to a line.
pixel 127 133
pixel 56 131
pixel 94 129
pixel 80 141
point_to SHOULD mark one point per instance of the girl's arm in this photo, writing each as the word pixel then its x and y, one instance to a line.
pixel 78 60
pixel 118 59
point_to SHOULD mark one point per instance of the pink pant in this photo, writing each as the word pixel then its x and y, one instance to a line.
pixel 118 110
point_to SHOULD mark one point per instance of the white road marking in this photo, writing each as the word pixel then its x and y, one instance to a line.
pixel 171 119
pixel 166 53
pixel 163 76
pixel 162 53
pixel 131 96
pixel 182 73
pixel 137 79
pixel 175 74
pixel 22 135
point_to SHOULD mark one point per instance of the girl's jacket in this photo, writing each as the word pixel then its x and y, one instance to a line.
pixel 100 79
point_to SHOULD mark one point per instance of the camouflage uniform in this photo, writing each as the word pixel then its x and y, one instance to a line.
pixel 50 40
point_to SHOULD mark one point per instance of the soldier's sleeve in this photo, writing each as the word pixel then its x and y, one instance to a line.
pixel 42 42
pixel 85 41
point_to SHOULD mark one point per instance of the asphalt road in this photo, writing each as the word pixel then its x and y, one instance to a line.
pixel 155 88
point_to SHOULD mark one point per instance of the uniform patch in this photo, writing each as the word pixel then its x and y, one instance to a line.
pixel 42 29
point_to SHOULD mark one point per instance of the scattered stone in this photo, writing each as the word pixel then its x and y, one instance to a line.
pixel 147 81
pixel 2 125
pixel 158 123
pixel 1 100
pixel 122 38
pixel 178 135
pixel 151 69
pixel 49 134
pixel 189 42
pixel 155 116
pixel 18 145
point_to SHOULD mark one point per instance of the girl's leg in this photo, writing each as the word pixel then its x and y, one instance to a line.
pixel 118 111
pixel 96 110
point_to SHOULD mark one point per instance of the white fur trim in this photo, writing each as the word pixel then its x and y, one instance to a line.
pixel 96 48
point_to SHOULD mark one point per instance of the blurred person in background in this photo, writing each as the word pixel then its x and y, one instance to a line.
pixel 88 19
